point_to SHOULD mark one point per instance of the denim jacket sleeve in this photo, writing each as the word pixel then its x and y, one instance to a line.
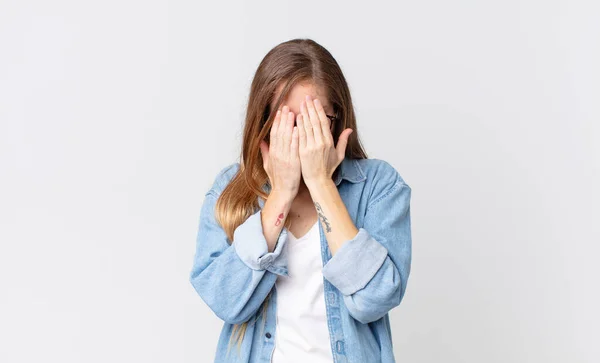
pixel 371 270
pixel 234 280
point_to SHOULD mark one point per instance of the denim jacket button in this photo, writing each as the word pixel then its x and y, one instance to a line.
pixel 268 335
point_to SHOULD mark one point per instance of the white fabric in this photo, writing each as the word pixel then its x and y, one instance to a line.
pixel 301 333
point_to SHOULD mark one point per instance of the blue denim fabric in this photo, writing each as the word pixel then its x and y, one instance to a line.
pixel 363 281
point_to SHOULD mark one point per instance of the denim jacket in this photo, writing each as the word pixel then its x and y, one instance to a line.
pixel 362 282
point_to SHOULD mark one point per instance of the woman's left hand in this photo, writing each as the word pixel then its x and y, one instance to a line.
pixel 319 157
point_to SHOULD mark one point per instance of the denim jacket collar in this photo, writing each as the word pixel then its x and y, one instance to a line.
pixel 350 170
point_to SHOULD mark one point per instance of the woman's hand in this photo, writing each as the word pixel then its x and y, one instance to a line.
pixel 280 157
pixel 318 155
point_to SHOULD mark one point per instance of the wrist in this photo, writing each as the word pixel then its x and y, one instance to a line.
pixel 320 182
pixel 286 195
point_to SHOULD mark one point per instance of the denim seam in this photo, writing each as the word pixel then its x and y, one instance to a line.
pixel 396 185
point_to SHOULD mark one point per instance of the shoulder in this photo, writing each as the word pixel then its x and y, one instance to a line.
pixel 223 177
pixel 380 172
pixel 382 180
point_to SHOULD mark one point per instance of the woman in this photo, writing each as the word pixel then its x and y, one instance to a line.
pixel 288 287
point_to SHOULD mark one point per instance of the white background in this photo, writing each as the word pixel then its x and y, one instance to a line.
pixel 115 116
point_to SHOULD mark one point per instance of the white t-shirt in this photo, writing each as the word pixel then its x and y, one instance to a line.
pixel 301 333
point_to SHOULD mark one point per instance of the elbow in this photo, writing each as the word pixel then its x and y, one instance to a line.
pixel 381 294
pixel 366 315
pixel 222 305
pixel 230 316
pixel 367 307
pixel 224 310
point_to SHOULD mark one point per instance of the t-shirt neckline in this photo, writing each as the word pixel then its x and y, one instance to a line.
pixel 306 235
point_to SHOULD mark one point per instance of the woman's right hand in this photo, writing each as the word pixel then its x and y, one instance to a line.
pixel 280 158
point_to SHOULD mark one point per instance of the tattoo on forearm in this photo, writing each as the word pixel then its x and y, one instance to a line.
pixel 323 218
pixel 279 219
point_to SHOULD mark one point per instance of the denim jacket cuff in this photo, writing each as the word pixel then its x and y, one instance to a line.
pixel 251 247
pixel 355 263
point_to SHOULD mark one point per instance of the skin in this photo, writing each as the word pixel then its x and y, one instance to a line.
pixel 300 162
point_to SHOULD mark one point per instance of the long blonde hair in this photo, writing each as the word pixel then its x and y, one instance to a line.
pixel 287 64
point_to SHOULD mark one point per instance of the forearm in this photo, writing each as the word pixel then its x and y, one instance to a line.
pixel 334 217
pixel 274 214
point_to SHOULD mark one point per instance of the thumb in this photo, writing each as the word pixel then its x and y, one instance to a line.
pixel 264 151
pixel 343 143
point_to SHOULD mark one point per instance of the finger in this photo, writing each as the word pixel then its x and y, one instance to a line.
pixel 281 129
pixel 342 143
pixel 308 129
pixel 325 121
pixel 287 136
pixel 301 131
pixel 314 120
pixel 273 133
pixel 264 152
pixel 294 144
